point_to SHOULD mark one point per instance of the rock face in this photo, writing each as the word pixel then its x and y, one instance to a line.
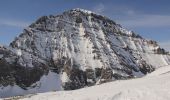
pixel 84 48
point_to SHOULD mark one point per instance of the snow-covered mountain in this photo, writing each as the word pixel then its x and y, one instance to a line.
pixel 75 49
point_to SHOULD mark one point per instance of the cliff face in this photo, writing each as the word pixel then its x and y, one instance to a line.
pixel 84 48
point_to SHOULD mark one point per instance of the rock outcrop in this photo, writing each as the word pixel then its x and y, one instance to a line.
pixel 84 48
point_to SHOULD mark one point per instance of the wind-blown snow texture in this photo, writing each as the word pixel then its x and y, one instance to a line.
pixel 82 47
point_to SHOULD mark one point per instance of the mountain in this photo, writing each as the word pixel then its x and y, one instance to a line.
pixel 152 87
pixel 73 50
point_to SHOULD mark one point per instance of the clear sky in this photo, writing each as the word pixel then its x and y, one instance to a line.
pixel 149 18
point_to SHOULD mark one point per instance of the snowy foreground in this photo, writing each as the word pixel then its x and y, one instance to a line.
pixel 154 86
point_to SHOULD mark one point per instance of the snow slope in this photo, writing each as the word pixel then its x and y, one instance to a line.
pixel 154 86
pixel 81 47
pixel 47 83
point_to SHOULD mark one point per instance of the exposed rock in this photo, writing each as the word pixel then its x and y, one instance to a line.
pixel 84 47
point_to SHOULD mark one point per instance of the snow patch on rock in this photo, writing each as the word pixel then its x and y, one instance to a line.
pixel 50 82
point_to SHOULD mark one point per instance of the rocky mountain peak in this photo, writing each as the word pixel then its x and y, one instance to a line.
pixel 82 47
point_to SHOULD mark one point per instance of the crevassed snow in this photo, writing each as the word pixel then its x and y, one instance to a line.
pixel 152 87
pixel 50 82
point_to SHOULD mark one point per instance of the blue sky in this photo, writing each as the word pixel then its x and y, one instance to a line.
pixel 149 18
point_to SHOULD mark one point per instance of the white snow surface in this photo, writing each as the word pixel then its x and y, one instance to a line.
pixel 156 60
pixel 88 45
pixel 154 86
pixel 64 77
pixel 50 82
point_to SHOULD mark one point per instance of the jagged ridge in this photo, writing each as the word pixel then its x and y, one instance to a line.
pixel 83 47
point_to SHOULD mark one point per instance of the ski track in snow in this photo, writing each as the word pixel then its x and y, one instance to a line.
pixel 154 86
